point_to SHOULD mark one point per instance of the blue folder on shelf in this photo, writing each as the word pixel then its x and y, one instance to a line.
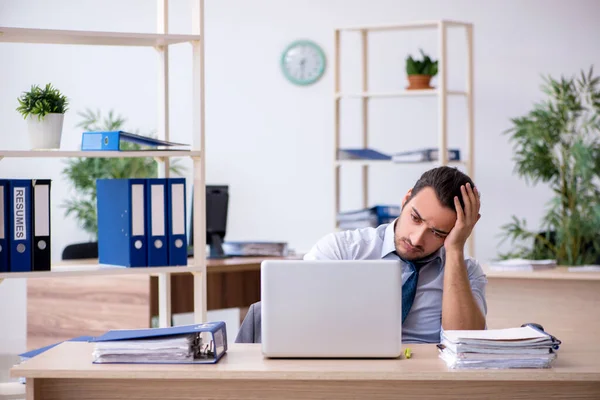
pixel 20 233
pixel 111 141
pixel 176 217
pixel 362 154
pixel 202 343
pixel 4 223
pixel 122 234
pixel 156 222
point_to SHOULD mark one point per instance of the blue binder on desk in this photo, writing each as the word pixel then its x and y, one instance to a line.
pixel 4 222
pixel 122 238
pixel 20 236
pixel 36 352
pixel 204 344
pixel 176 232
pixel 157 206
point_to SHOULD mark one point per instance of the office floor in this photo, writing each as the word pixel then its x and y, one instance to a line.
pixel 10 388
pixel 6 362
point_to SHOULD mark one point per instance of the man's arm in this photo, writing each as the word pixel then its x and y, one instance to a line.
pixel 246 332
pixel 459 308
pixel 330 247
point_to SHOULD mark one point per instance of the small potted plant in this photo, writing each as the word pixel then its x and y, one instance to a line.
pixel 44 109
pixel 420 72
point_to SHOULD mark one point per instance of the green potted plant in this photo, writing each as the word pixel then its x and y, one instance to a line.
pixel 83 172
pixel 44 109
pixel 420 72
pixel 558 143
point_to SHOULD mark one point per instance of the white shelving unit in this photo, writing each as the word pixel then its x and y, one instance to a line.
pixel 160 42
pixel 441 92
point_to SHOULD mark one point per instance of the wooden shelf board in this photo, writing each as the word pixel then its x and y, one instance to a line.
pixel 405 26
pixel 53 36
pixel 85 269
pixel 381 162
pixel 96 154
pixel 404 93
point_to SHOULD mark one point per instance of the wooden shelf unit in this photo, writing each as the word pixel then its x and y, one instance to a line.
pixel 160 42
pixel 441 92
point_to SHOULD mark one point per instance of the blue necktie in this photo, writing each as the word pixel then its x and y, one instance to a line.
pixel 409 289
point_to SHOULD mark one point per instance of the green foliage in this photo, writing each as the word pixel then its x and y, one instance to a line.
pixel 44 101
pixel 426 66
pixel 558 143
pixel 83 172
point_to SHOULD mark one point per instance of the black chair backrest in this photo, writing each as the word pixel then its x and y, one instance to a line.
pixel 80 251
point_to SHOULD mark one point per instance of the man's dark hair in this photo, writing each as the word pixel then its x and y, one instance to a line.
pixel 446 182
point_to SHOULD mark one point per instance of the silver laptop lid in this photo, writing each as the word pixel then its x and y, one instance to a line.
pixel 331 308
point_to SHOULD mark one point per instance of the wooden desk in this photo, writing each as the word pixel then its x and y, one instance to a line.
pixel 231 283
pixel 66 372
pixel 63 308
pixel 565 303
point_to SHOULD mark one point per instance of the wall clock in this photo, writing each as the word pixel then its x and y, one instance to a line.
pixel 303 62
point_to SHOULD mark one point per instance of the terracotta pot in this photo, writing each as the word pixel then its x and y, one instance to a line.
pixel 419 82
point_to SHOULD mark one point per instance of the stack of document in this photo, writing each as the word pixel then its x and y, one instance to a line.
pixel 520 264
pixel 199 343
pixel 175 349
pixel 424 155
pixel 524 347
pixel 362 154
pixel 368 217
pixel 256 249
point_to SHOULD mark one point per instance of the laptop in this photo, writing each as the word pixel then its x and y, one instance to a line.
pixel 331 309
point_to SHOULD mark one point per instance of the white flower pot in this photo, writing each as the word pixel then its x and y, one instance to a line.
pixel 45 133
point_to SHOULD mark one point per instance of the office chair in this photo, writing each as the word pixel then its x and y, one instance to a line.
pixel 80 251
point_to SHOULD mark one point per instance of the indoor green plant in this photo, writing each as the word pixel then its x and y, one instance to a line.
pixel 44 109
pixel 558 143
pixel 83 172
pixel 420 72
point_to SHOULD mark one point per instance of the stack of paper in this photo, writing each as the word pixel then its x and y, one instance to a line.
pixel 174 349
pixel 520 264
pixel 200 343
pixel 424 155
pixel 368 217
pixel 256 249
pixel 524 347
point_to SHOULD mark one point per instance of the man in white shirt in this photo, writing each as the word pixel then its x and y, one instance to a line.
pixel 441 288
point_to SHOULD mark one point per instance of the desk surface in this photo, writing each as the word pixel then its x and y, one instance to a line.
pixel 245 361
pixel 558 273
pixel 232 264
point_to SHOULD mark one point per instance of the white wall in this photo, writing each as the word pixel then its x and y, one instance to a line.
pixel 272 142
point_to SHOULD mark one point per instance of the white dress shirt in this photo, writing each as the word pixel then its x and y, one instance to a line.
pixel 424 321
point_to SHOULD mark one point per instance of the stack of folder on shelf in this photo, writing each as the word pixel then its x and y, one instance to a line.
pixel 524 347
pixel 519 264
pixel 24 225
pixel 368 217
pixel 424 155
pixel 189 344
pixel 362 154
pixel 256 249
pixel 142 222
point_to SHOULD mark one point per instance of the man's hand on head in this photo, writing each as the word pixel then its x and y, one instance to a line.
pixel 465 219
